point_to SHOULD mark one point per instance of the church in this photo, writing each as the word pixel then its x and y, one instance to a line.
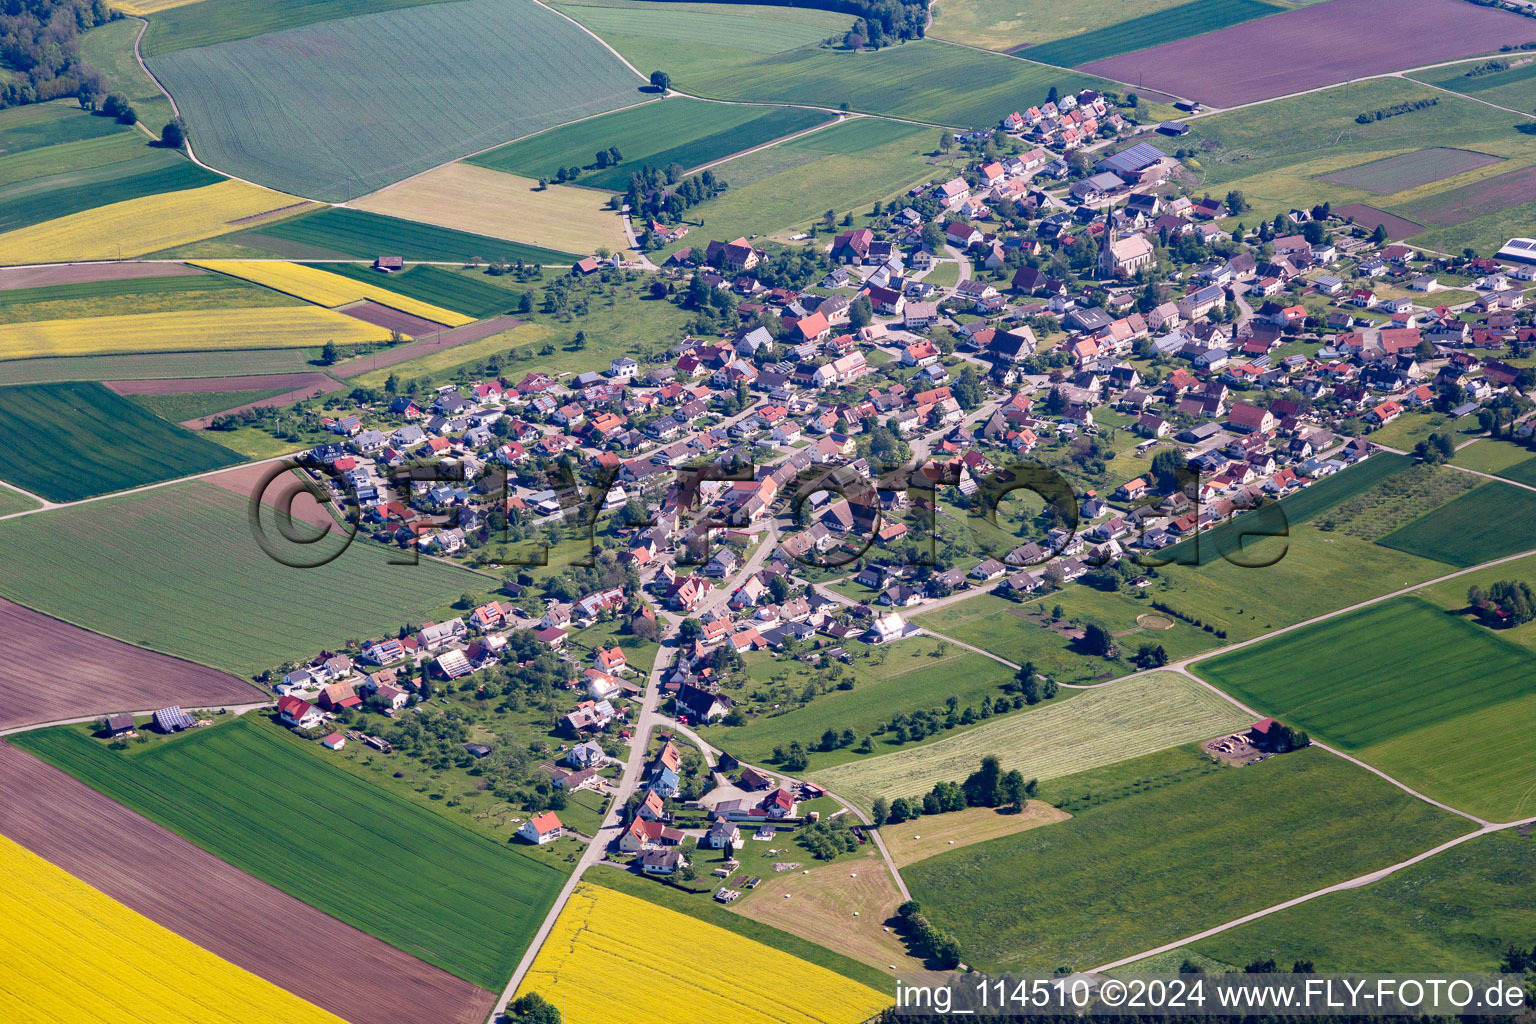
pixel 1121 257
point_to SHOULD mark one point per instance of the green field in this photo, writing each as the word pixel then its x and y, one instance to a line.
pixel 1165 846
pixel 844 168
pixel 220 21
pixel 109 49
pixel 250 794
pixel 679 131
pixel 1513 87
pixel 1165 26
pixel 1491 455
pixel 353 234
pixel 138 295
pixel 1409 170
pixel 156 366
pixel 1396 501
pixel 466 291
pixel 158 170
pixel 192 404
pixel 11 502
pixel 1429 697
pixel 1458 911
pixel 1005 24
pixel 177 569
pixel 49 124
pixel 72 441
pixel 1489 522
pixel 1309 503
pixel 46 161
pixel 1096 727
pixel 294 123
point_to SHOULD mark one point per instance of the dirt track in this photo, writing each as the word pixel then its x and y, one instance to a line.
pixel 222 909
pixel 51 670
pixel 426 346
pixel 80 273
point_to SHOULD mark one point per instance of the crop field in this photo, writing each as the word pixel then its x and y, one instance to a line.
pixel 253 795
pixel 12 501
pixel 934 834
pixel 179 26
pixel 1008 25
pixel 264 109
pixel 142 295
pixel 686 132
pixel 186 330
pixel 463 196
pixel 326 289
pixel 352 234
pixel 1427 696
pixel 163 562
pixel 594 937
pixel 1097 727
pixel 1452 912
pixel 109 49
pixel 75 954
pixel 844 168
pixel 71 441
pixel 1501 458
pixel 1513 87
pixel 224 910
pixel 1150 837
pixel 143 172
pixel 156 365
pixel 1483 198
pixel 1148 30
pixel 1218 68
pixel 1410 170
pixel 46 162
pixel 1489 522
pixel 443 352
pixel 36 125
pixel 189 405
pixel 94 674
pixel 138 226
pixel 468 290
pixel 139 8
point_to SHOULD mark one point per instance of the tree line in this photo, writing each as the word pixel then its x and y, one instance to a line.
pixel 39 42
pixel 988 786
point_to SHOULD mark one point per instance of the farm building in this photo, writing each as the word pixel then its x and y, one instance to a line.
pixel 173 719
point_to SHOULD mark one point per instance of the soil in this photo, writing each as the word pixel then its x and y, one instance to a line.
pixel 1370 217
pixel 244 480
pixel 370 312
pixel 83 273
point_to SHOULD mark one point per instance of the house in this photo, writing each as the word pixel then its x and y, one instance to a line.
pixel 587 754
pixel 541 828
pixel 662 862
pixel 298 713
pixel 118 725
pixel 701 705
pixel 887 628
pixel 645 835
pixel 724 835
pixel 611 660
pixel 1250 419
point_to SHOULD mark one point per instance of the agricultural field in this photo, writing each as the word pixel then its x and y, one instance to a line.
pixel 161 366
pixel 186 405
pixel 138 226
pixel 1456 911
pixel 44 162
pixel 326 289
pixel 930 836
pixel 1501 458
pixel 231 789
pixel 197 537
pixel 263 327
pixel 1483 198
pixel 73 953
pixel 1009 25
pixel 686 132
pixel 109 49
pixel 224 910
pixel 180 25
pixel 1409 170
pixel 1395 501
pixel 94 674
pixel 1427 696
pixel 595 937
pixel 844 168
pixel 465 196
pixel 12 501
pixel 140 8
pixel 1095 728
pixel 1218 67
pixel 1511 87
pixel 1143 834
pixel 72 441
pixel 169 294
pixel 1489 522
pixel 512 337
pixel 336 233
pixel 469 291
pixel 36 125
pixel 143 171
pixel 263 109
pixel 1153 29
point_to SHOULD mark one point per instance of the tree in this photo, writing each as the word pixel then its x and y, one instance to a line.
pixel 1097 640
pixel 534 1009
pixel 880 812
pixel 1314 232
pixel 661 81
pixel 1236 202
pixel 329 354
pixel 173 135
pixel 1013 790
pixel 983 786
pixel 1379 236
pixel 946 142
pixel 860 313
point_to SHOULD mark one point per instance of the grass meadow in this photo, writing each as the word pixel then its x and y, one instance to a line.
pixel 72 441
pixel 1501 458
pixel 1514 87
pixel 1004 24
pixel 1457 911
pixel 36 125
pixel 1427 696
pixel 1164 846
pixel 677 130
pixel 337 233
pixel 178 569
pixel 248 793
pixel 109 49
pixel 1096 727
pixel 1152 29
pixel 188 405
pixel 14 501
pixel 207 22
pixel 293 122
pixel 1488 522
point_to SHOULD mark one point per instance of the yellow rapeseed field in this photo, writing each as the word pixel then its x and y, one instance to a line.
pixel 138 226
pixel 186 331
pixel 326 289
pixel 73 955
pixel 148 6
pixel 601 964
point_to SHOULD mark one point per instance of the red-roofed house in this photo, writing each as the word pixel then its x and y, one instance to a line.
pixel 541 828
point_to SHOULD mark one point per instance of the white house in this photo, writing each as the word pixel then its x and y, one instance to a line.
pixel 541 828
pixel 888 628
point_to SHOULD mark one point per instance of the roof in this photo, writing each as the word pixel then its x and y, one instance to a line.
pixel 545 823
pixel 1132 160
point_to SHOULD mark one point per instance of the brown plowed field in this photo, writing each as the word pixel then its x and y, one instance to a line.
pixel 370 312
pixel 81 273
pixel 89 674
pixel 222 909
pixel 199 385
pixel 1397 227
pixel 1478 199
pixel 318 384
pixel 1316 46
pixel 448 339
pixel 244 480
